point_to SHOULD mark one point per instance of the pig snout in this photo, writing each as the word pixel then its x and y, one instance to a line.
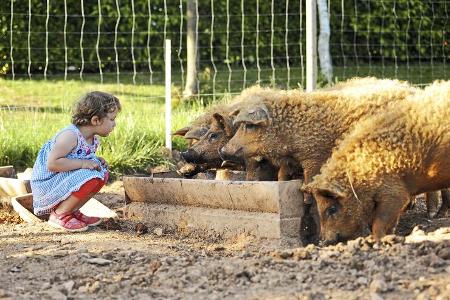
pixel 228 156
pixel 191 156
pixel 332 241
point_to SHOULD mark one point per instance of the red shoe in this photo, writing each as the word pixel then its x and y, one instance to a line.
pixel 66 221
pixel 89 221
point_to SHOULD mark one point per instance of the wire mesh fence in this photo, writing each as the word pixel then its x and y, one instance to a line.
pixel 53 51
pixel 240 43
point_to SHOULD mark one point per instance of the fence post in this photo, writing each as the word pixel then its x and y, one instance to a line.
pixel 311 45
pixel 168 106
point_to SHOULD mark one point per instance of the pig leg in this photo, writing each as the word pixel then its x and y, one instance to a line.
pixel 287 169
pixel 432 201
pixel 389 206
pixel 259 170
pixel 310 169
pixel 283 173
pixel 442 213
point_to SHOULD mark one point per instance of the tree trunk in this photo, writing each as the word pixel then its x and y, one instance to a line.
pixel 326 67
pixel 192 55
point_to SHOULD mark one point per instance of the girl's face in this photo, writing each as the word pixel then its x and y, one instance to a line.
pixel 107 124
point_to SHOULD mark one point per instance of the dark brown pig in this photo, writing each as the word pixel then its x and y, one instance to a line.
pixel 221 129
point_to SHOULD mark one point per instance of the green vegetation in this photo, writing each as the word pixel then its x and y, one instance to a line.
pixel 407 31
pixel 31 112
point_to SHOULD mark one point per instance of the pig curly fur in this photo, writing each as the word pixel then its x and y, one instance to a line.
pixel 316 120
pixel 397 141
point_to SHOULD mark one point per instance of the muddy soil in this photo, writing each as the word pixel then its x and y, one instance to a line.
pixel 123 260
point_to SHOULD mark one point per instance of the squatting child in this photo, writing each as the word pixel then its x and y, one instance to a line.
pixel 67 172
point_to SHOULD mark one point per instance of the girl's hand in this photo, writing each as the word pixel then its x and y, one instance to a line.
pixel 89 164
pixel 103 161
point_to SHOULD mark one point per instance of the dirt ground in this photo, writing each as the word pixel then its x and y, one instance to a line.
pixel 122 260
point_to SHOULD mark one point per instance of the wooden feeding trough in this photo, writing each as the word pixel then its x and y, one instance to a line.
pixel 10 186
pixel 266 209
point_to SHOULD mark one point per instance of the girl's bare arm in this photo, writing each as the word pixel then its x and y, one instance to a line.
pixel 64 144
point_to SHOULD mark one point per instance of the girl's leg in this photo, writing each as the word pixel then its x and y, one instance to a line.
pixel 86 192
pixel 71 204
pixel 80 197
pixel 67 215
pixel 62 216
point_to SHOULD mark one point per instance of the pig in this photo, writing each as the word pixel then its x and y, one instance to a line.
pixel 193 133
pixel 221 129
pixel 368 181
pixel 305 127
pixel 200 125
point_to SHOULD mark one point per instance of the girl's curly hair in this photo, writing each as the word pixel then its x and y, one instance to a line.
pixel 94 104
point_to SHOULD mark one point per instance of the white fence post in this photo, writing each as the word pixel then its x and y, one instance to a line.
pixel 168 110
pixel 311 45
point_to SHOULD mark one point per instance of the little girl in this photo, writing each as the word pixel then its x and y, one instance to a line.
pixel 67 173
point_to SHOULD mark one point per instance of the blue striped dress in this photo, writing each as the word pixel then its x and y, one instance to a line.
pixel 50 188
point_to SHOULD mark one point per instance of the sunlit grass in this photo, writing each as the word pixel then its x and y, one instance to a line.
pixel 32 111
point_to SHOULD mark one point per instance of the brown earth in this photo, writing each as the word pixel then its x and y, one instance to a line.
pixel 123 260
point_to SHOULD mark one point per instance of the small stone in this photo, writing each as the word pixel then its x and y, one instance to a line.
pixel 141 229
pixel 59 253
pixel 94 287
pixel 55 294
pixel 68 286
pixel 300 254
pixel 98 261
pixel 435 261
pixel 154 266
pixel 362 280
pixel 158 231
pixel 82 250
pixel 15 269
pixel 37 247
pixel 378 286
pixel 375 296
pixel 282 254
pixel 444 253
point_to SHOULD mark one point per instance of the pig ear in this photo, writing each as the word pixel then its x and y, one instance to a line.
pixel 326 191
pixel 182 131
pixel 235 112
pixel 307 188
pixel 223 123
pixel 329 193
pixel 257 115
pixel 196 133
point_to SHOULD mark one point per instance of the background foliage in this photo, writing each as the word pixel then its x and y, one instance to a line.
pixel 402 31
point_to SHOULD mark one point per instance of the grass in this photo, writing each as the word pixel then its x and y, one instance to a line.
pixel 32 111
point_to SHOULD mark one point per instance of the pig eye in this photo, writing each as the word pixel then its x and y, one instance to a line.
pixel 332 210
pixel 212 136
